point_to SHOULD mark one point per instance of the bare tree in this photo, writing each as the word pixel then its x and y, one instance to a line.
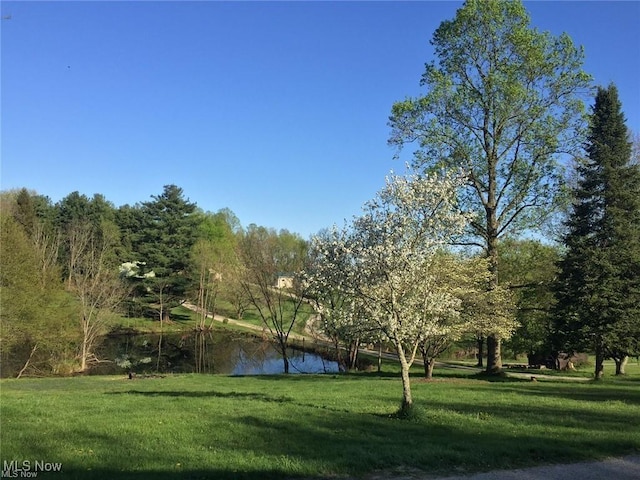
pixel 265 255
pixel 94 282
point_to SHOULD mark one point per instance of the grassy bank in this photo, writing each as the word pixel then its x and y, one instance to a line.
pixel 183 319
pixel 200 426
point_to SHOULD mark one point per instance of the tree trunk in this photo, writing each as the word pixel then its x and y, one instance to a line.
pixel 494 356
pixel 407 400
pixel 480 343
pixel 379 357
pixel 353 354
pixel 26 365
pixel 429 363
pixel 621 363
pixel 336 342
pixel 84 354
pixel 283 350
pixel 599 368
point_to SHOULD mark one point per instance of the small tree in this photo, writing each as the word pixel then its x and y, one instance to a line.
pixel 343 315
pixel 266 255
pixel 387 257
pixel 214 257
pixel 488 311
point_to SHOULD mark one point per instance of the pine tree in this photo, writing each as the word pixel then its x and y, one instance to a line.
pixel 598 288
pixel 162 245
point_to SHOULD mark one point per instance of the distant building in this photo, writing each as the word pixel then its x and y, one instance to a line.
pixel 284 281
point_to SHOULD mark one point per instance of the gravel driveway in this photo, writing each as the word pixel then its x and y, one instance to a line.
pixel 625 468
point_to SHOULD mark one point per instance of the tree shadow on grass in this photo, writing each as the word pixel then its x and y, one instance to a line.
pixel 205 394
pixel 590 392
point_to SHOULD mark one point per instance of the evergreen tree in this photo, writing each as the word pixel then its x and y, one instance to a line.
pixel 162 245
pixel 598 289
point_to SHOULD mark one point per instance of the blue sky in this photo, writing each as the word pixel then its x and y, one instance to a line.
pixel 276 110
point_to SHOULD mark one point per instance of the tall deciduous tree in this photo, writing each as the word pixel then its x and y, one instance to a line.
pixel 598 290
pixel 501 103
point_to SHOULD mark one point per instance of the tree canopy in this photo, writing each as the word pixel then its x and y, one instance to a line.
pixel 502 101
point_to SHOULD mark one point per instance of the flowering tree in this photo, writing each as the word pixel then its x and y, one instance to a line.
pixel 385 261
pixel 342 314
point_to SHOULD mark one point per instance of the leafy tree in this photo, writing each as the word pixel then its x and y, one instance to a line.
pixel 25 212
pixel 342 314
pixel 598 290
pixel 35 314
pixel 482 311
pixel 528 268
pixel 215 258
pixel 76 210
pixel 500 103
pixel 265 255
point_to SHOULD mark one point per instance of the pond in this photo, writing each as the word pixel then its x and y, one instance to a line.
pixel 202 352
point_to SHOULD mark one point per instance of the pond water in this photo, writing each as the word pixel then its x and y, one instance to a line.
pixel 202 352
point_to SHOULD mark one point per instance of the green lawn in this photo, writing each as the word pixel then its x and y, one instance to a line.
pixel 202 426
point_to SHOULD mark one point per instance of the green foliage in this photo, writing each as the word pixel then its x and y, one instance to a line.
pixel 598 290
pixel 161 243
pixel 528 268
pixel 215 262
pixel 501 103
pixel 37 331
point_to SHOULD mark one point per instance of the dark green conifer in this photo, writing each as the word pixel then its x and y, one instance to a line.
pixel 598 288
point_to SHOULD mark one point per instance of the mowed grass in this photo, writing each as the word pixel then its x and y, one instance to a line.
pixel 206 426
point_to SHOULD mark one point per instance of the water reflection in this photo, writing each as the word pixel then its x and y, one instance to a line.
pixel 202 352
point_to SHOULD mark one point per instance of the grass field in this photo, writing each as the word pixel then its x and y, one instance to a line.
pixel 183 319
pixel 203 426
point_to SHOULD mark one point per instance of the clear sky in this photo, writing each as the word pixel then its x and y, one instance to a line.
pixel 277 111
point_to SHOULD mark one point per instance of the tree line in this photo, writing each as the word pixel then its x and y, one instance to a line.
pixel 69 267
